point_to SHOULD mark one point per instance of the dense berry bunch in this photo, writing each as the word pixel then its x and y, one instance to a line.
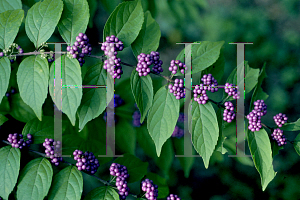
pixel 136 117
pixel 181 117
pixel 254 120
pixel 261 107
pixel 150 188
pixel 110 121
pixel 120 171
pixel 52 151
pixel 86 161
pixel 177 89
pixel 278 136
pixel 280 119
pixel 211 82
pixel 113 64
pixel 157 64
pixel 200 90
pixel 17 140
pixel 81 43
pixel 118 101
pixel 144 62
pixel 228 114
pixel 178 132
pixel 173 197
pixel 232 90
pixel 175 65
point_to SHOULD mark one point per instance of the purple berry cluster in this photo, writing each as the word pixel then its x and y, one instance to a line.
pixel 136 117
pixel 228 114
pixel 144 62
pixel 211 83
pixel 175 65
pixel 173 197
pixel 118 101
pixel 178 132
pixel 157 64
pixel 278 136
pixel 260 106
pixel 260 109
pixel 280 119
pixel 232 91
pixel 17 140
pixel 150 188
pixel 52 151
pixel 86 161
pixel 177 89
pixel 200 90
pixel 81 43
pixel 113 64
pixel 120 171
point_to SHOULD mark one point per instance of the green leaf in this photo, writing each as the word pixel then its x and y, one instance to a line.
pixel 204 55
pixel 102 193
pixel 9 169
pixel 148 38
pixel 145 141
pixel 260 148
pixel 165 160
pixel 71 97
pixel 93 6
pixel 293 126
pixel 125 136
pixel 42 19
pixel 275 148
pixel 204 128
pixel 142 90
pixel 136 168
pixel 162 117
pixel 10 22
pixel 10 5
pixel 74 20
pixel 221 138
pixel 163 189
pixel 3 119
pixel 32 78
pixel 67 184
pixel 5 71
pixel 297 144
pixel 94 101
pixel 35 180
pixel 20 110
pixel 125 22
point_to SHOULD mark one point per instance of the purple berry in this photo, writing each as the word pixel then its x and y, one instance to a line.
pixel 200 94
pixel 229 113
pixel 173 197
pixel 177 89
pixel 17 140
pixel 150 188
pixel 232 90
pixel 177 65
pixel 280 119
pixel 86 161
pixel 52 150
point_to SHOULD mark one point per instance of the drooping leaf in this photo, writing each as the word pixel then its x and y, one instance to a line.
pixel 297 144
pixel 293 126
pixel 136 168
pixel 163 189
pixel 20 110
pixel 10 22
pixel 9 169
pixel 94 101
pixel 6 5
pixel 71 77
pixel 125 22
pixel 260 148
pixel 142 90
pixel 5 71
pixel 67 184
pixel 32 78
pixel 42 19
pixel 74 19
pixel 162 117
pixel 103 193
pixel 148 38
pixel 35 180
pixel 204 128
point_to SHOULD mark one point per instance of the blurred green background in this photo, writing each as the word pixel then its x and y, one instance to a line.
pixel 274 28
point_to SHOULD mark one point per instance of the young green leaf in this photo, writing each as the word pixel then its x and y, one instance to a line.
pixel 125 22
pixel 5 71
pixel 162 117
pixel 32 78
pixel 35 180
pixel 297 144
pixel 67 184
pixel 10 22
pixel 20 110
pixel 148 38
pixel 136 168
pixel 103 193
pixel 260 148
pixel 163 189
pixel 94 101
pixel 74 20
pixel 71 97
pixel 42 19
pixel 142 90
pixel 10 5
pixel 9 169
pixel 293 126
pixel 204 128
